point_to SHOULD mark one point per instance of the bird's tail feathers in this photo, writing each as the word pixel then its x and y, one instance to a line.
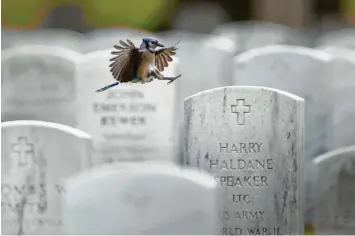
pixel 107 87
pixel 176 44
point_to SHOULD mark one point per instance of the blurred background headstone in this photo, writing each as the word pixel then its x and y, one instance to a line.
pixel 190 17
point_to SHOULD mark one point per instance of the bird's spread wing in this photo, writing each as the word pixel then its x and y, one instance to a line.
pixel 122 66
pixel 163 56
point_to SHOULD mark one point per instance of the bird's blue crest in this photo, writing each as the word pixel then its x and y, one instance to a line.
pixel 147 40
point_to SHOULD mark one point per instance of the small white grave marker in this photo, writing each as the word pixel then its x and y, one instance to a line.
pixel 38 83
pixel 36 156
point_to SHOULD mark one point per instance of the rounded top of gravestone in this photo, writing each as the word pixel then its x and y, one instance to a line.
pixel 141 169
pixel 282 49
pixel 37 49
pixel 140 198
pixel 338 153
pixel 45 124
pixel 343 38
pixel 97 55
pixel 255 89
pixel 253 34
pixel 339 52
pixel 49 37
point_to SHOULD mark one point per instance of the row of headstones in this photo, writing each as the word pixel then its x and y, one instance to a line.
pixel 249 139
pixel 252 34
pixel 49 187
pixel 57 85
pixel 45 82
pixel 245 35
pixel 290 65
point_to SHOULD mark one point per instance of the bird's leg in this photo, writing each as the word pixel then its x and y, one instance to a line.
pixel 171 78
pixel 148 79
pixel 159 76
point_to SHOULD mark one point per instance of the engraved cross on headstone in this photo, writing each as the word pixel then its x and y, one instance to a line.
pixel 240 109
pixel 22 148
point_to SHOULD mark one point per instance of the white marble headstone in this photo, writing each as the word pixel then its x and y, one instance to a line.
pixel 129 122
pixel 38 83
pixel 254 34
pixel 341 97
pixel 36 157
pixel 335 192
pixel 141 198
pixel 48 37
pixel 251 140
pixel 297 70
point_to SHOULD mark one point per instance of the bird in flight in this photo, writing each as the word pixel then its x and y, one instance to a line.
pixel 143 64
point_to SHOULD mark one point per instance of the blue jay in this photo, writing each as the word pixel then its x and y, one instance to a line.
pixel 131 64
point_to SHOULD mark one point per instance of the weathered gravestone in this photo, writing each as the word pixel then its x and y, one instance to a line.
pixel 130 121
pixel 205 62
pixel 254 34
pixel 341 96
pixel 141 198
pixel 251 140
pixel 335 192
pixel 38 83
pixel 47 37
pixel 105 38
pixel 296 70
pixel 36 156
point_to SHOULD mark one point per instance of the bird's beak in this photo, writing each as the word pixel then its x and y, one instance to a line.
pixel 160 45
